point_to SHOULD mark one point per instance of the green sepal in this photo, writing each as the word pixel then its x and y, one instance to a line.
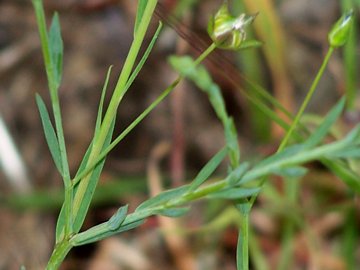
pixel 340 32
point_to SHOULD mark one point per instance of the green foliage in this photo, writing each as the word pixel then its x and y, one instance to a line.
pixel 50 134
pixel 243 180
pixel 56 48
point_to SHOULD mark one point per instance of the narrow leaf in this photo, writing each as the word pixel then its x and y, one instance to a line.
pixel 101 103
pixel 234 193
pixel 115 221
pixel 348 176
pixel 163 197
pixel 174 212
pixel 100 232
pixel 320 133
pixel 95 174
pixel 294 171
pixel 50 134
pixel 208 169
pixel 236 175
pixel 139 14
pixel 352 153
pixel 56 48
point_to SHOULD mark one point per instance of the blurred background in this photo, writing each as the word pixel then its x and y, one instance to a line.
pixel 178 138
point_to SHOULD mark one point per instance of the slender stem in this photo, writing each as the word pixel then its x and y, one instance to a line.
pixel 114 103
pixel 53 87
pixel 242 255
pixel 305 103
pixel 59 254
pixel 163 95
pixel 291 186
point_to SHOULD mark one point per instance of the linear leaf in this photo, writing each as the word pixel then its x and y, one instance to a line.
pixel 348 176
pixel 98 233
pixel 208 169
pixel 139 14
pixel 352 153
pixel 234 193
pixel 293 171
pixel 115 221
pixel 50 134
pixel 163 197
pixel 101 103
pixel 56 48
pixel 95 174
pixel 174 212
pixel 236 175
pixel 320 133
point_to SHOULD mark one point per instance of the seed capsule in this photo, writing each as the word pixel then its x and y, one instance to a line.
pixel 340 32
pixel 227 31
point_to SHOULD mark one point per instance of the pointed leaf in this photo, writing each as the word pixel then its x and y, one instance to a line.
pixel 236 175
pixel 139 14
pixel 101 232
pixel 352 153
pixel 291 172
pixel 320 133
pixel 50 134
pixel 95 174
pixel 56 48
pixel 234 193
pixel 348 176
pixel 208 169
pixel 115 221
pixel 174 212
pixel 163 197
pixel 101 103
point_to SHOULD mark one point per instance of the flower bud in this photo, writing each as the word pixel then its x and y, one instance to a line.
pixel 340 32
pixel 227 31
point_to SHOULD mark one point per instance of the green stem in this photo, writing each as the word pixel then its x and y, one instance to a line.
pixel 59 254
pixel 291 186
pixel 160 98
pixel 114 103
pixel 242 255
pixel 305 103
pixel 53 87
